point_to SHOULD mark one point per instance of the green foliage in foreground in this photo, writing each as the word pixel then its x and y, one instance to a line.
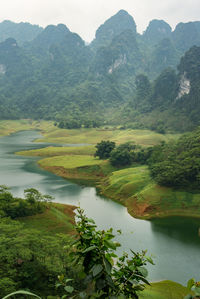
pixel 86 267
pixel 105 274
pixel 30 259
pixel 195 287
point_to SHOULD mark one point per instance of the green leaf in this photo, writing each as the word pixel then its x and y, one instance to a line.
pixel 107 265
pixel 89 248
pixel 75 242
pixel 110 281
pixel 142 278
pixel 190 283
pixel 68 279
pixel 82 295
pixel 90 220
pixel 97 269
pixel 100 284
pixel 132 267
pixel 113 254
pixel 69 289
pixel 143 271
pixel 139 287
pixel 134 253
pixel 21 293
pixel 149 259
pixel 86 237
pixel 58 285
pixel 197 291
pixel 61 277
pixel 110 244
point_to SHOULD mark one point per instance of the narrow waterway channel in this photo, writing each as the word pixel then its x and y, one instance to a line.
pixel 173 242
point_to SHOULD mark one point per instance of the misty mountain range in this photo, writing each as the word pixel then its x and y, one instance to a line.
pixel 121 77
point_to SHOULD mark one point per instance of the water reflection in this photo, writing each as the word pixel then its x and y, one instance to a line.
pixel 179 228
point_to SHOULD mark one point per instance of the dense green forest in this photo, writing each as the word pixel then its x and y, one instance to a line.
pixel 122 77
pixel 177 164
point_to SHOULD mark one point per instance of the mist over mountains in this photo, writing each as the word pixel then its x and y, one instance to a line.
pixel 121 77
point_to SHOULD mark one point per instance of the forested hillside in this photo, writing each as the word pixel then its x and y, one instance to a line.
pixel 22 32
pixel 122 77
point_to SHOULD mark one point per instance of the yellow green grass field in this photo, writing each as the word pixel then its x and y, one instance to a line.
pixel 71 161
pixel 51 151
pixel 164 290
pixel 53 134
pixel 82 168
pixel 93 136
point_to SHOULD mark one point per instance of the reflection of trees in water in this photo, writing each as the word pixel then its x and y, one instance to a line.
pixel 69 189
pixel 183 229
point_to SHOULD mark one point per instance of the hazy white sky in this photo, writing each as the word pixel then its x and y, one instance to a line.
pixel 85 16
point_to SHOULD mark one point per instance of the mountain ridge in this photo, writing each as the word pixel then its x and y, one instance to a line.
pixel 56 75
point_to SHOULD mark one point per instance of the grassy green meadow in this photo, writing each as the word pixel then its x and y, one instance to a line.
pixel 60 151
pixel 53 134
pixel 93 136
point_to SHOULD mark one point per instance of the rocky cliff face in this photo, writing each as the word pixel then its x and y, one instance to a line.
pixel 184 86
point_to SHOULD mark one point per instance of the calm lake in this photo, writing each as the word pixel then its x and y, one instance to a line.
pixel 173 242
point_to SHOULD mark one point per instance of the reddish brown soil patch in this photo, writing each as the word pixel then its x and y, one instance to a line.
pixel 140 210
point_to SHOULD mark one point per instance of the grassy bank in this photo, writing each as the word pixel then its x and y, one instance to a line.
pixel 58 218
pixel 132 186
pixel 84 169
pixel 145 199
pixel 60 151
